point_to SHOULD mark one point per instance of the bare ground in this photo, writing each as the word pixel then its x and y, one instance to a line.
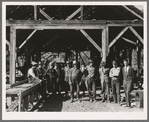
pixel 60 104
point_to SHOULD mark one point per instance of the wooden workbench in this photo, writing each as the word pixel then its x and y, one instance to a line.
pixel 21 94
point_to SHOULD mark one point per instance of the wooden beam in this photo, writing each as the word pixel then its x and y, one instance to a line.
pixel 118 36
pixel 12 54
pixel 85 55
pixel 74 22
pixel 78 27
pixel 25 41
pixel 91 40
pixel 73 14
pixel 35 12
pixel 136 34
pixel 129 41
pixel 45 14
pixel 133 12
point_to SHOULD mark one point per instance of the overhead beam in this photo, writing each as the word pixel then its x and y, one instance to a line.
pixel 118 36
pixel 129 41
pixel 133 12
pixel 73 14
pixel 92 41
pixel 74 22
pixel 136 34
pixel 45 14
pixel 26 40
pixel 12 54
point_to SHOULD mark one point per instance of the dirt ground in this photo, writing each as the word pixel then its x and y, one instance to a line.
pixel 61 104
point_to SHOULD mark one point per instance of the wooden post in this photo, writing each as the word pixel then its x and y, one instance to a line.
pixel 12 54
pixel 81 12
pixel 105 43
pixel 35 12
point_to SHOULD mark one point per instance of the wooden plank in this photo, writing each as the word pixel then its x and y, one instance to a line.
pixel 74 22
pixel 41 27
pixel 136 34
pixel 12 54
pixel 19 83
pixel 118 36
pixel 26 40
pixel 45 14
pixel 128 40
pixel 35 12
pixel 73 14
pixel 91 40
pixel 133 12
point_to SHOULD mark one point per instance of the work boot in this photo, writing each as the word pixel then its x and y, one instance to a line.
pixel 103 97
pixel 108 98
pixel 114 98
pixel 119 100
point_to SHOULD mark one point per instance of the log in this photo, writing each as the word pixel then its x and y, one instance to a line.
pixel 13 106
pixel 19 83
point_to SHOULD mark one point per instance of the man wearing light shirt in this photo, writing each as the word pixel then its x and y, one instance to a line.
pixel 91 81
pixel 115 82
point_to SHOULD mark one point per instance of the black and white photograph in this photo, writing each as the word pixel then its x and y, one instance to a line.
pixel 74 60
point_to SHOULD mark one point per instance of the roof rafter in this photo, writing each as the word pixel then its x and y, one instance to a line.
pixel 133 12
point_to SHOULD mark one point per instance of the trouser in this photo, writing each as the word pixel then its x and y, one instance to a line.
pixel 74 84
pixel 66 85
pixel 127 90
pixel 91 86
pixel 52 85
pixel 58 87
pixel 105 90
pixel 116 90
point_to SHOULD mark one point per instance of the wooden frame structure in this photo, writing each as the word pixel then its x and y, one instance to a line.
pixel 70 24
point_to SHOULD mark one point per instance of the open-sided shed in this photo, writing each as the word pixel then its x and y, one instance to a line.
pixel 59 28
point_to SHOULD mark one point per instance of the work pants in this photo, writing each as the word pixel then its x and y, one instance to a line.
pixel 116 90
pixel 74 85
pixel 105 90
pixel 91 86
pixel 127 90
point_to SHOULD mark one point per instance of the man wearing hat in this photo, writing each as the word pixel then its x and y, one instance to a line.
pixel 104 78
pixel 115 75
pixel 66 77
pixel 75 78
pixel 51 72
pixel 32 72
pixel 91 80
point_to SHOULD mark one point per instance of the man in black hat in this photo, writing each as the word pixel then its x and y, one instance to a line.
pixel 91 80
pixel 104 78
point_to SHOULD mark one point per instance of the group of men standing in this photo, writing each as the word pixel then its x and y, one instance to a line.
pixel 73 78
